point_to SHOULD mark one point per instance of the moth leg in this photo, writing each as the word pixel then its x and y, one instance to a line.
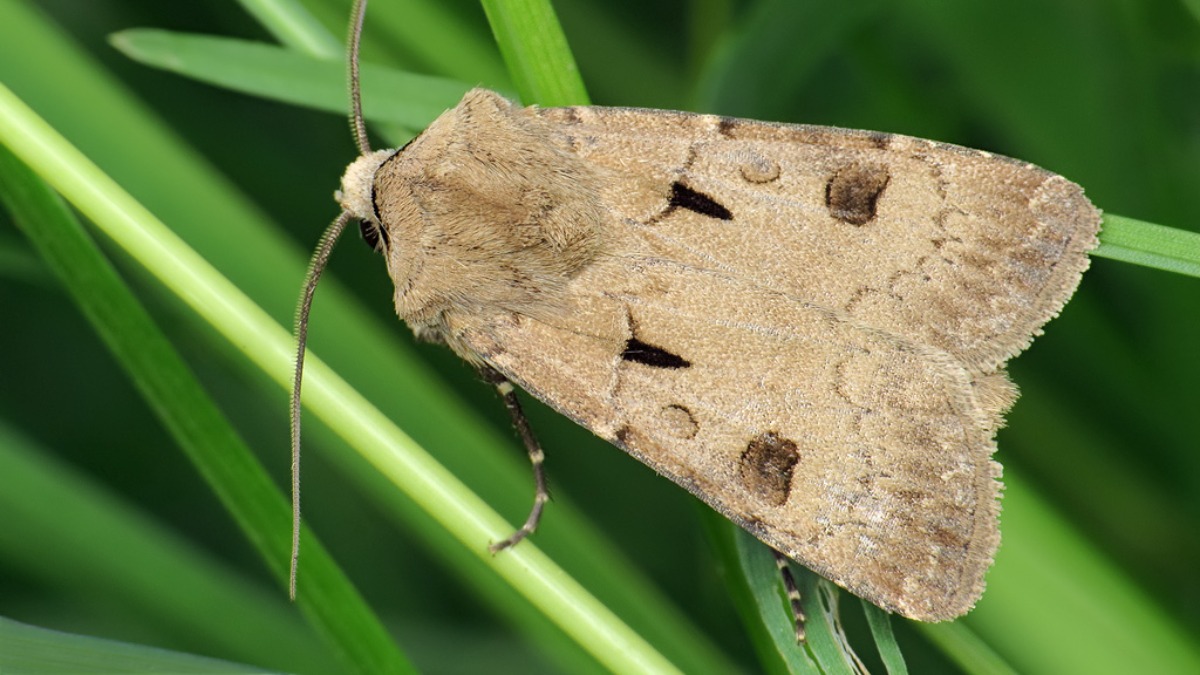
pixel 536 457
pixel 793 593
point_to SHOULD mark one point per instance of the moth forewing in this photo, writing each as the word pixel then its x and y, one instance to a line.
pixel 856 452
pixel 806 327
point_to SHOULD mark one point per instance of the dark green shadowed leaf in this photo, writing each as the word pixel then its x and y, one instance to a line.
pixel 768 58
pixel 66 529
pixel 966 648
pixel 27 649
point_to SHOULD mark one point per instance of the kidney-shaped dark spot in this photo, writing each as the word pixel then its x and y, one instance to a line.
pixel 852 193
pixel 766 467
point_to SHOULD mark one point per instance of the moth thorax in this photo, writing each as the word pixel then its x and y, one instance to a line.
pixel 356 193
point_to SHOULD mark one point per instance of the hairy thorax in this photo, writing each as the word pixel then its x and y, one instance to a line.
pixel 485 212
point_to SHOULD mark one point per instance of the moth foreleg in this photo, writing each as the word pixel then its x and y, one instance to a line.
pixel 793 593
pixel 536 457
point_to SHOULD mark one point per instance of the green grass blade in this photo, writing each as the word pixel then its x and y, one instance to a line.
pixel 296 28
pixel 447 39
pixel 161 375
pixel 27 649
pixel 822 653
pixel 536 52
pixel 433 36
pixel 881 629
pixel 342 408
pixel 285 75
pixel 1150 245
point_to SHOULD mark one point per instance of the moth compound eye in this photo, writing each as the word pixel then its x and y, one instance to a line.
pixel 372 235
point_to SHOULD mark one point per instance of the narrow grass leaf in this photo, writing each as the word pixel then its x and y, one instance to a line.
pixel 286 75
pixel 295 27
pixel 536 52
pixel 1150 245
pixel 820 654
pixel 881 628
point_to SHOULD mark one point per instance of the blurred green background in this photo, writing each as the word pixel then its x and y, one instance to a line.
pixel 1106 431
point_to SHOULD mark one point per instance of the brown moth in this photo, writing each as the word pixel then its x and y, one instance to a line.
pixel 806 327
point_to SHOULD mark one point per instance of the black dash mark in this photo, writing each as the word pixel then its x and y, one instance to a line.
pixel 649 355
pixel 685 197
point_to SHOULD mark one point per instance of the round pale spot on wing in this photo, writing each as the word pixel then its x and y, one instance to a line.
pixel 678 421
pixel 853 191
pixel 758 169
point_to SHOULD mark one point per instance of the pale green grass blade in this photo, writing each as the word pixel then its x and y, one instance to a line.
pixel 446 39
pixel 1150 245
pixel 420 35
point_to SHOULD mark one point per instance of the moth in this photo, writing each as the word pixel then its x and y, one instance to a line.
pixel 806 327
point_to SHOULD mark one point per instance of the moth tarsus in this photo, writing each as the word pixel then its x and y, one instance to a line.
pixel 792 592
pixel 536 458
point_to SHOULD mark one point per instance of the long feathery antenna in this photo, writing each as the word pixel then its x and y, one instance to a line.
pixel 356 116
pixel 315 267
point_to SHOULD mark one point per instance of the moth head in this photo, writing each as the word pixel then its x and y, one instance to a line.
pixel 357 195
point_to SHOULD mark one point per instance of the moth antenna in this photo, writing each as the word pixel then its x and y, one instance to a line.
pixel 357 124
pixel 316 266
